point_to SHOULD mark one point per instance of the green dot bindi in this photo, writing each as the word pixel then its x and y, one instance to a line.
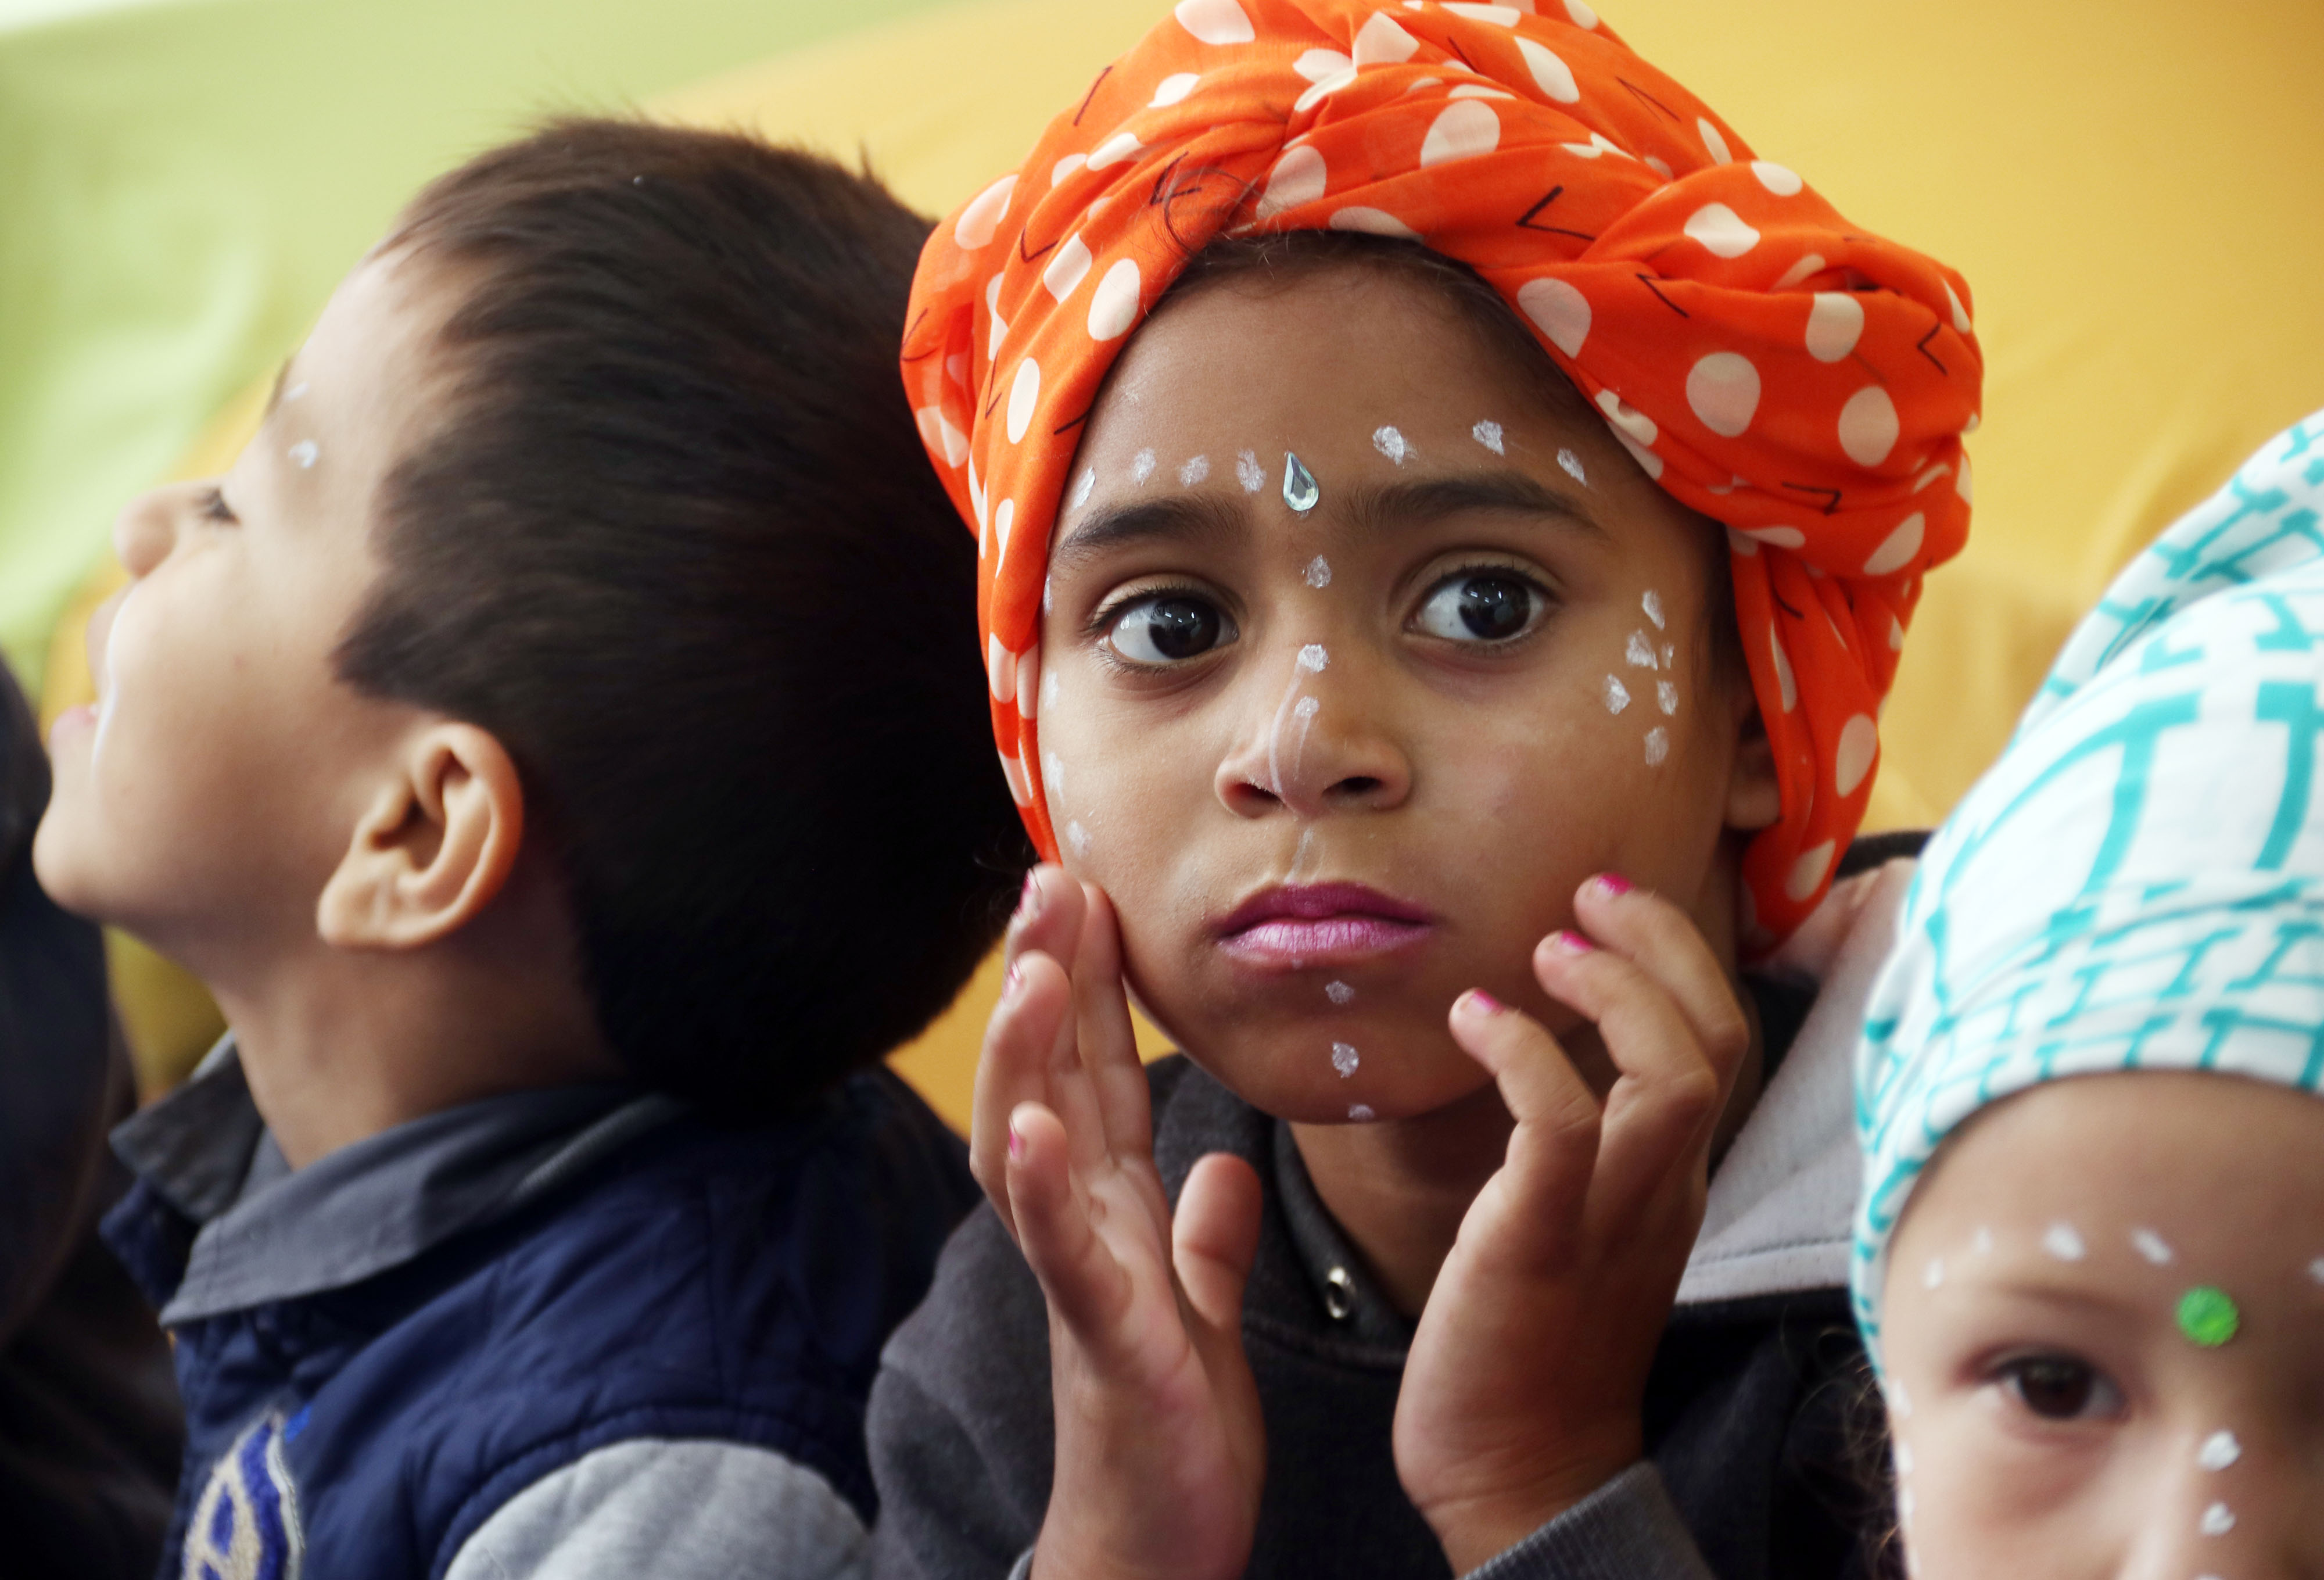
pixel 2208 1317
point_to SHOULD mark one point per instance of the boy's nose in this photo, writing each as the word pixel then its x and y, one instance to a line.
pixel 146 530
pixel 1313 741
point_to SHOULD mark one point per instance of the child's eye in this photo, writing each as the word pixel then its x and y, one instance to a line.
pixel 1481 605
pixel 2060 1388
pixel 1168 628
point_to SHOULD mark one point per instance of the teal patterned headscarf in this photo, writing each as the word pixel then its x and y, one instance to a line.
pixel 2139 881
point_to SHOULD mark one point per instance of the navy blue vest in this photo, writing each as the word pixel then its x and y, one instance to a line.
pixel 727 1284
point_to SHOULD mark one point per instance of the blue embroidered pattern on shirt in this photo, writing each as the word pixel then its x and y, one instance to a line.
pixel 246 1525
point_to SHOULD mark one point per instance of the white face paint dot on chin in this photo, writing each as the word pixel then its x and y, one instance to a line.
pixel 1319 573
pixel 303 454
pixel 1142 466
pixel 1390 443
pixel 1361 1113
pixel 1344 1059
pixel 1571 464
pixel 1339 992
pixel 2064 1241
pixel 1488 434
pixel 1248 472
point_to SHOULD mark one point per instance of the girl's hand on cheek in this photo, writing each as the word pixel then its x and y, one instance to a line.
pixel 1523 1392
pixel 1160 1449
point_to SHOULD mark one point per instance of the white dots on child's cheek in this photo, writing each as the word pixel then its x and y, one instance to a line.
pixel 1652 605
pixel 1048 690
pixel 1488 434
pixel 1571 464
pixel 1078 838
pixel 1313 658
pixel 1666 696
pixel 2063 1241
pixel 1618 696
pixel 1981 1243
pixel 1142 466
pixel 2316 1270
pixel 1933 1275
pixel 1904 1458
pixel 1048 605
pixel 1639 651
pixel 297 392
pixel 1361 1113
pixel 1195 471
pixel 1339 992
pixel 1900 1403
pixel 2220 1450
pixel 1087 481
pixel 1670 656
pixel 1658 746
pixel 1344 1059
pixel 303 454
pixel 1319 573
pixel 1248 472
pixel 2152 1246
pixel 1390 443
pixel 1053 775
pixel 2217 1521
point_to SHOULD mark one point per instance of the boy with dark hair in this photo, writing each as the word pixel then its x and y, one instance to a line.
pixel 485 739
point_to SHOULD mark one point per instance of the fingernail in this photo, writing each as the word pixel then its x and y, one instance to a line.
pixel 1016 1143
pixel 1478 1001
pixel 1570 943
pixel 1613 885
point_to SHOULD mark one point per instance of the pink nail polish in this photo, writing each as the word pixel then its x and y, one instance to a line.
pixel 1571 943
pixel 1613 885
pixel 1016 1143
pixel 1483 1003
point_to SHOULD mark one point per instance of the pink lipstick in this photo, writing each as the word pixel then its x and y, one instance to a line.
pixel 1320 924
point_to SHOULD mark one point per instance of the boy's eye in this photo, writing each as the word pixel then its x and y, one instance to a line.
pixel 1481 605
pixel 1168 628
pixel 2060 1388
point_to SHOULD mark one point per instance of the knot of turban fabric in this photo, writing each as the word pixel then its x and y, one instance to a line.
pixel 2138 884
pixel 1766 362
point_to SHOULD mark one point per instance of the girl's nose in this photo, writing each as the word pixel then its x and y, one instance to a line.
pixel 1312 742
pixel 146 530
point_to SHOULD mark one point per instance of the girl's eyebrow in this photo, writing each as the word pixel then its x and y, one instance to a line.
pixel 1426 499
pixel 1191 519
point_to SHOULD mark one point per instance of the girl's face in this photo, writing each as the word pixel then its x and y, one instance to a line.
pixel 1336 764
pixel 2059 1399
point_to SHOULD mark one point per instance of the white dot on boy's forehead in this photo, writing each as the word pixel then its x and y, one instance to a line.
pixel 303 454
pixel 2152 1246
pixel 1344 1059
pixel 1488 434
pixel 2220 1450
pixel 1361 1113
pixel 1142 466
pixel 1390 443
pixel 2064 1241
pixel 1248 472
pixel 1313 658
pixel 1319 573
pixel 1339 992
pixel 1195 471
pixel 1572 463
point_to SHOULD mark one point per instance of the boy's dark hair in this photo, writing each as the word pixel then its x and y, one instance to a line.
pixel 673 541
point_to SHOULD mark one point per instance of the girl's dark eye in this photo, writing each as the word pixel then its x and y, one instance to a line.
pixel 1169 628
pixel 1481 605
pixel 2060 1388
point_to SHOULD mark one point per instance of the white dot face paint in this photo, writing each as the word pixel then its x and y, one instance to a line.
pixel 1142 466
pixel 1049 598
pixel 1344 1059
pixel 1313 658
pixel 2064 1241
pixel 1981 1243
pixel 1053 775
pixel 1248 472
pixel 1361 1113
pixel 1933 1275
pixel 1488 434
pixel 1639 651
pixel 1670 655
pixel 297 392
pixel 1904 1458
pixel 1050 688
pixel 1666 696
pixel 2316 1270
pixel 1087 481
pixel 1306 848
pixel 1078 838
pixel 1305 712
pixel 2217 1521
pixel 2220 1450
pixel 1319 573
pixel 1339 992
pixel 303 454
pixel 1652 605
pixel 1618 696
pixel 1195 471
pixel 1572 466
pixel 1658 746
pixel 1391 444
pixel 2152 1246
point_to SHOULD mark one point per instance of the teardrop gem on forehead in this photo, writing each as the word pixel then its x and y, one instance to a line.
pixel 1300 489
pixel 2208 1317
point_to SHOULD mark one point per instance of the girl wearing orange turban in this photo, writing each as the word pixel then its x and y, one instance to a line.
pixel 1312 629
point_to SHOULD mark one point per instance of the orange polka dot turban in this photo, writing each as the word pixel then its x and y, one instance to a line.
pixel 1766 362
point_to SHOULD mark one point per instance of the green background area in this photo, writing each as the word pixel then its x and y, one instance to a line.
pixel 182 183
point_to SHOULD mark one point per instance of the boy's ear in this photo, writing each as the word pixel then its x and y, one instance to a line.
pixel 434 848
pixel 1755 799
